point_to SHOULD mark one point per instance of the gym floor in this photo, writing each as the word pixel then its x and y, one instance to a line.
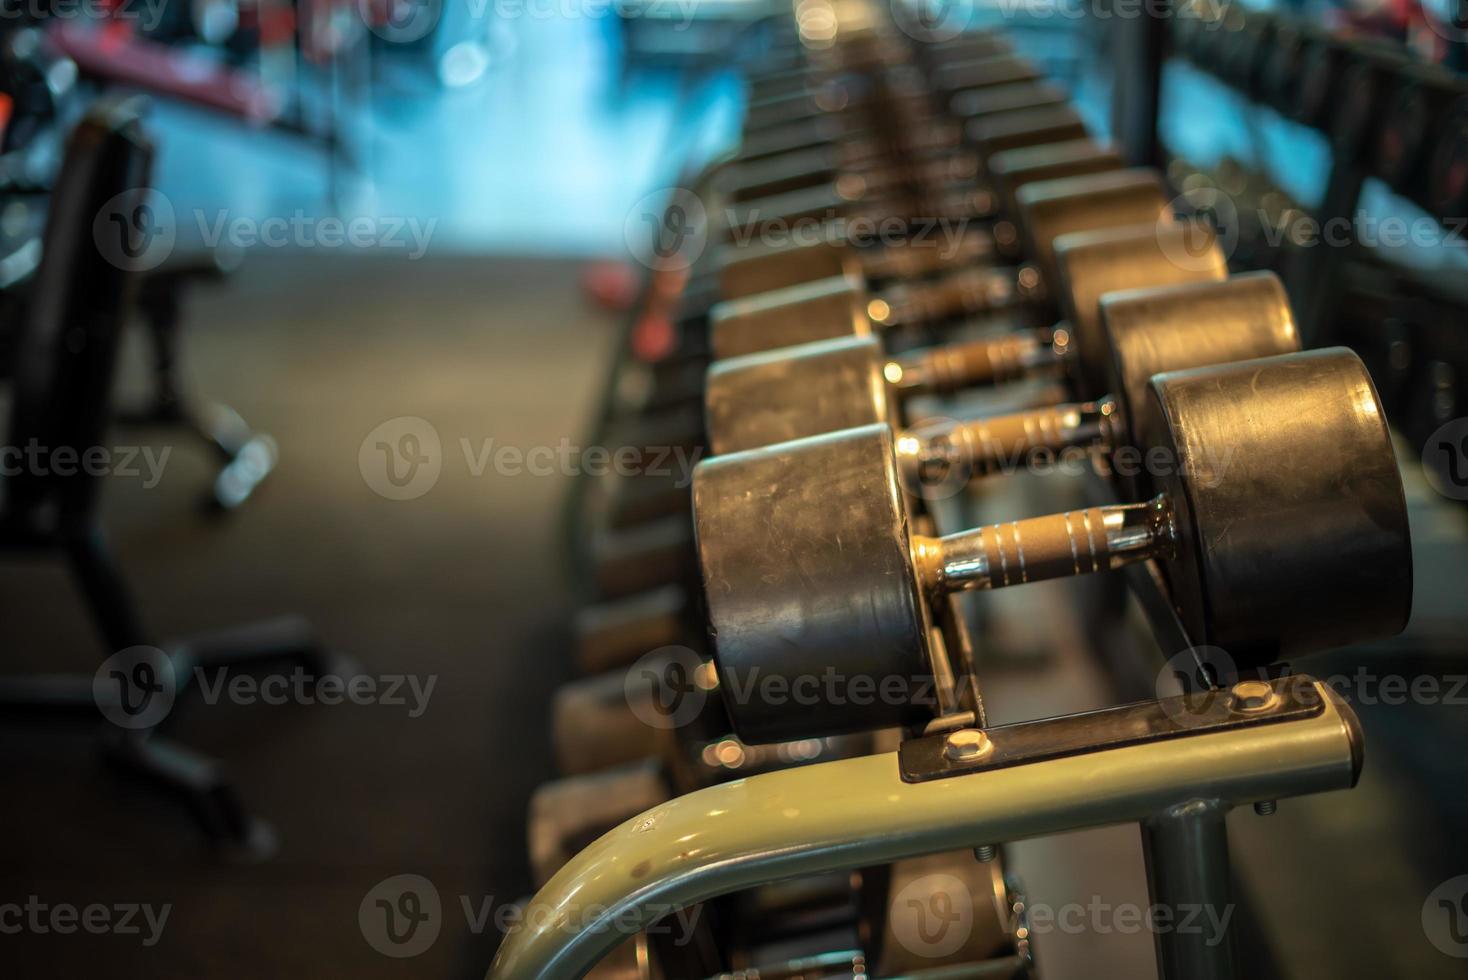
pixel 462 585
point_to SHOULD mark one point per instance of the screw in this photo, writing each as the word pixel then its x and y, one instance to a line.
pixel 966 744
pixel 985 852
pixel 1265 807
pixel 1254 696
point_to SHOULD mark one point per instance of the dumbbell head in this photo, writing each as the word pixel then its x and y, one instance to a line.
pixel 838 307
pixel 749 270
pixel 1092 263
pixel 1115 199
pixel 967 46
pixel 804 546
pixel 1016 128
pixel 1289 509
pixel 1418 101
pixel 791 392
pixel 1010 170
pixel 595 725
pixel 1005 98
pixel 1174 328
pixel 897 898
pixel 745 270
pixel 819 310
pixel 1284 517
pixel 981 73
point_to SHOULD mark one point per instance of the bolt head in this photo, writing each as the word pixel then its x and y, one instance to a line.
pixel 1254 696
pixel 966 745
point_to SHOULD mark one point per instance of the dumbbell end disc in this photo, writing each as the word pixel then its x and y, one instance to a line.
pixel 812 598
pixel 1292 521
pixel 792 392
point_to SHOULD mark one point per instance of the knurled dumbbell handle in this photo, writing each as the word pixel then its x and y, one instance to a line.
pixel 1077 542
pixel 972 363
pixel 922 258
pixel 976 447
pixel 965 293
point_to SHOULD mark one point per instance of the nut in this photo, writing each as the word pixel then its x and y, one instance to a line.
pixel 967 744
pixel 1254 696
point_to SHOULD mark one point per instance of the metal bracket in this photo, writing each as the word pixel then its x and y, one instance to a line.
pixel 1288 699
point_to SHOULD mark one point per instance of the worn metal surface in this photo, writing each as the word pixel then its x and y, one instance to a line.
pixel 1049 208
pixel 807 575
pixel 859 812
pixel 783 394
pixel 1174 328
pixel 1090 264
pixel 1289 506
pixel 819 310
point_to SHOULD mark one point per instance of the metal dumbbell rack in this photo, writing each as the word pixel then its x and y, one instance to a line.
pixel 1175 766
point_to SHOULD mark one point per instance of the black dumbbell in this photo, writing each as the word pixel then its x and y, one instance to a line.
pixel 1048 210
pixel 1280 524
pixel 803 391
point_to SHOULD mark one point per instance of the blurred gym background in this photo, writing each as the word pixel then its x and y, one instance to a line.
pixel 389 210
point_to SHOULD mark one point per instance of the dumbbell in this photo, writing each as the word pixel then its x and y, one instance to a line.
pixel 1280 526
pixel 839 307
pixel 642 558
pixel 1126 196
pixel 866 164
pixel 757 268
pixel 868 156
pixel 795 392
pixel 856 139
pixel 633 560
pixel 897 906
pixel 899 898
pixel 796 89
pixel 856 94
pixel 609 635
pixel 986 136
pixel 797 155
